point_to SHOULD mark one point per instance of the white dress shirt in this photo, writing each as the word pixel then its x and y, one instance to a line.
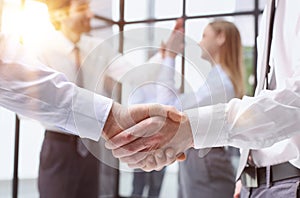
pixel 34 90
pixel 271 118
pixel 59 55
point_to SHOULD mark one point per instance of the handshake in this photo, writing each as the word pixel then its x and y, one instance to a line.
pixel 147 136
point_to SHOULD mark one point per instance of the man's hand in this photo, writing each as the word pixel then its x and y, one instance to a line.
pixel 237 190
pixel 154 142
pixel 121 118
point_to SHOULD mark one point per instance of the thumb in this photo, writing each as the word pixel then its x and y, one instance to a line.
pixel 180 157
pixel 166 112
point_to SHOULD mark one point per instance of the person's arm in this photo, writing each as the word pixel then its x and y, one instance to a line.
pixel 253 122
pixel 30 88
pixel 34 90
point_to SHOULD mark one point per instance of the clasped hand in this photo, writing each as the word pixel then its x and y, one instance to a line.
pixel 148 136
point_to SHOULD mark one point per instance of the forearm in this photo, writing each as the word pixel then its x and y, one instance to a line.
pixel 253 122
pixel 34 90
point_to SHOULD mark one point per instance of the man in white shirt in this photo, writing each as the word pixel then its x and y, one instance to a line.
pixel 268 123
pixel 70 51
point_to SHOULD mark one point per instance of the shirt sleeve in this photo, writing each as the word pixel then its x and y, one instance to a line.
pixel 252 122
pixel 29 88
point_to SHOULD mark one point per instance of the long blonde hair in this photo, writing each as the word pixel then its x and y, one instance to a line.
pixel 231 55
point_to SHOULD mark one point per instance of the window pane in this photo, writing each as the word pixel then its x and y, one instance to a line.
pixel 153 36
pixel 136 10
pixel 203 7
pixel 245 25
pixel 168 8
pixel 102 8
pixel 115 7
pixel 262 4
pixel 245 5
pixel 103 31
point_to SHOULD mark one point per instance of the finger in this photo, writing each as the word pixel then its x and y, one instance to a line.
pixel 150 163
pixel 138 112
pixel 180 157
pixel 157 110
pixel 160 158
pixel 236 195
pixel 130 149
pixel 144 128
pixel 166 111
pixel 238 188
pixel 140 165
pixel 171 156
pixel 135 158
pixel 175 115
pixel 140 145
pixel 121 139
pixel 170 153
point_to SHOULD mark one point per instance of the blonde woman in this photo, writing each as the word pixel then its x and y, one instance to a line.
pixel 212 174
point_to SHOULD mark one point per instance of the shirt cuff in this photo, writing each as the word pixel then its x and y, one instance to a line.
pixel 89 113
pixel 208 126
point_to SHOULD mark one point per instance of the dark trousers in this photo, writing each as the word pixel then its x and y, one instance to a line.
pixel 288 188
pixel 63 173
pixel 211 175
pixel 151 179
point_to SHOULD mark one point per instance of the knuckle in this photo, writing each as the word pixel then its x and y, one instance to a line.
pixel 130 148
pixel 128 136
pixel 115 153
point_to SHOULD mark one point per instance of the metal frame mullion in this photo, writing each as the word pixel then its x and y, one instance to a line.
pixel 257 12
pixel 121 24
pixel 181 89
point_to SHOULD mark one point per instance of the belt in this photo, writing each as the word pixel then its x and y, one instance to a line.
pixel 255 177
pixel 55 135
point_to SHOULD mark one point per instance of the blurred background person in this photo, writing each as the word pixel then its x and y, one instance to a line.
pixel 75 172
pixel 212 174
